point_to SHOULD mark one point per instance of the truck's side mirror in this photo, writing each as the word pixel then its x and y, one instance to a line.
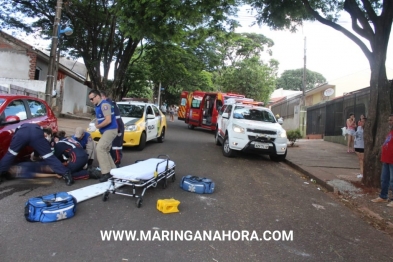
pixel 225 115
pixel 280 121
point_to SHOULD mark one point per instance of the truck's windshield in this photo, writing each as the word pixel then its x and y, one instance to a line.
pixel 255 114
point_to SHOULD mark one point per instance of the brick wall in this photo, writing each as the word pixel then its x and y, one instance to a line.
pixel 33 64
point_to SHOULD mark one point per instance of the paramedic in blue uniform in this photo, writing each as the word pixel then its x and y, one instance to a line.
pixel 106 124
pixel 85 140
pixel 33 135
pixel 76 157
pixel 117 145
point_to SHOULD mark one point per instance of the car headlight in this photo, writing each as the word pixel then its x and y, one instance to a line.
pixel 237 129
pixel 131 128
pixel 282 133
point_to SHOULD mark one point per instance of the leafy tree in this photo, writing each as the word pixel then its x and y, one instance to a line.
pixel 231 48
pixel 110 30
pixel 371 21
pixel 251 78
pixel 293 79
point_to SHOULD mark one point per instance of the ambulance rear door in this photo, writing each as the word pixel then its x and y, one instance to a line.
pixel 195 112
pixel 181 113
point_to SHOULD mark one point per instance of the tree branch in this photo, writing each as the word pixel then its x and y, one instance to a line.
pixel 357 15
pixel 337 27
pixel 370 11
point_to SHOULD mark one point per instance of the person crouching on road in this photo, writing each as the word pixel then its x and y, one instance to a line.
pixel 106 123
pixel 73 156
pixel 117 144
pixel 85 140
pixel 33 135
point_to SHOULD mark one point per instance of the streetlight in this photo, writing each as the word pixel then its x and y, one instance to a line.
pixel 57 31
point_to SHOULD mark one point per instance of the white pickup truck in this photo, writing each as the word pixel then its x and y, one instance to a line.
pixel 251 128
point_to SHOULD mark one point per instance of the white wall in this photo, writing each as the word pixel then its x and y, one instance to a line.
pixel 355 81
pixel 34 85
pixel 74 97
pixel 20 68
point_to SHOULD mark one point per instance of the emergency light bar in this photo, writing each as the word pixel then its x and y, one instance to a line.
pixel 245 101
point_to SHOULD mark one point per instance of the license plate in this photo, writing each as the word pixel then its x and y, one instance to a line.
pixel 261 146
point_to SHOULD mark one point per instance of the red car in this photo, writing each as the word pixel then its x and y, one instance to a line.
pixel 16 110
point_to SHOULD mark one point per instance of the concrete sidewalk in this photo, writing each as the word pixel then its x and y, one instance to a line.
pixel 326 162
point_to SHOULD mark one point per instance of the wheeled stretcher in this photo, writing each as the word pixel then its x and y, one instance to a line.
pixel 144 174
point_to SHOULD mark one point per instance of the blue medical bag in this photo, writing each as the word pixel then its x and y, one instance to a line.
pixel 50 208
pixel 197 185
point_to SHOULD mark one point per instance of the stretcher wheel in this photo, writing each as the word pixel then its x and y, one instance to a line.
pixel 173 178
pixel 139 202
pixel 105 196
pixel 164 183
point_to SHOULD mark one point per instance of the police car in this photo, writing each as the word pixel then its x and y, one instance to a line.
pixel 244 125
pixel 142 121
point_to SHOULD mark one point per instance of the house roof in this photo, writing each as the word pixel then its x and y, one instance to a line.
pixel 65 68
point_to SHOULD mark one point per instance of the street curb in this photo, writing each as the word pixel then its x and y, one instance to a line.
pixel 318 180
pixel 74 117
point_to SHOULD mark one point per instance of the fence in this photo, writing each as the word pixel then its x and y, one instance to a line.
pixel 286 109
pixel 330 117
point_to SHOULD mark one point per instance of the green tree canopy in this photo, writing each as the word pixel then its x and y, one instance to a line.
pixel 251 78
pixel 110 30
pixel 293 79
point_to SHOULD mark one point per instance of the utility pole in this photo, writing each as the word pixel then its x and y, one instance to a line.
pixel 159 94
pixel 304 74
pixel 50 79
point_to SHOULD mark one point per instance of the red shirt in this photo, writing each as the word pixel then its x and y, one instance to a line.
pixel 387 149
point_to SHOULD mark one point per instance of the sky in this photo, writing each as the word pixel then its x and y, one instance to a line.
pixel 328 51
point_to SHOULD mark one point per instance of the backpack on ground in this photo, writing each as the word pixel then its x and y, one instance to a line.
pixel 50 208
pixel 197 184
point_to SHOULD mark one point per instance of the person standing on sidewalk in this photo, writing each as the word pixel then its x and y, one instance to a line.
pixel 117 144
pixel 359 144
pixel 351 127
pixel 387 167
pixel 107 125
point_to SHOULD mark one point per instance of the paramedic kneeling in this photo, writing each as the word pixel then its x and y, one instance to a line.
pixel 76 157
pixel 33 135
pixel 106 123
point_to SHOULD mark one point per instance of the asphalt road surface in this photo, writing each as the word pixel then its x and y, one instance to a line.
pixel 253 196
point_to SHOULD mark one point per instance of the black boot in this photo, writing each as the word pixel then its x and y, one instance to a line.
pixel 68 178
pixel 105 177
pixel 94 173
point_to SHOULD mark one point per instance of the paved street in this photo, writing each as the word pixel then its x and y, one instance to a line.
pixel 252 193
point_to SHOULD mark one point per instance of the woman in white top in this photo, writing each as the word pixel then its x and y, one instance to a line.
pixel 359 144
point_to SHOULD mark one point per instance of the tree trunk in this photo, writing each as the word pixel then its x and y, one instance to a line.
pixel 376 127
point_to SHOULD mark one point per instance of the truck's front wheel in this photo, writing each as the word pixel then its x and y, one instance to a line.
pixel 226 150
pixel 216 137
